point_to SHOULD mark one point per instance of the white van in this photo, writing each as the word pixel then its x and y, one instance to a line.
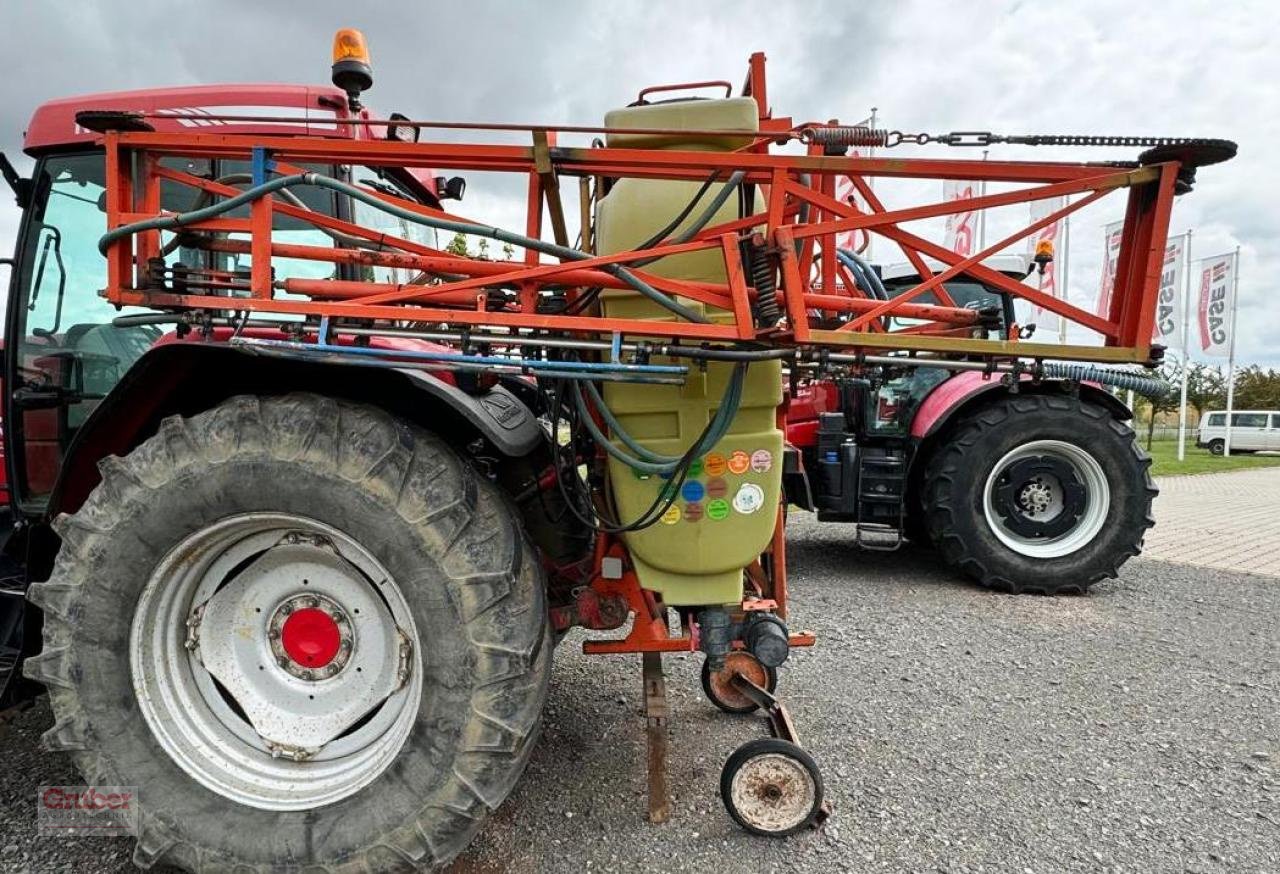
pixel 1251 431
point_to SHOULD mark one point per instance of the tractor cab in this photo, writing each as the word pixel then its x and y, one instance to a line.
pixel 70 347
pixel 964 290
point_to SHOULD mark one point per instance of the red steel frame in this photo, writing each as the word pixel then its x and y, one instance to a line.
pixel 134 174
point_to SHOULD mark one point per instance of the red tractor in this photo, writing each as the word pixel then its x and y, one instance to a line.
pixel 1023 485
pixel 304 497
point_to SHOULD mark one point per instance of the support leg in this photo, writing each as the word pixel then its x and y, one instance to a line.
pixel 655 711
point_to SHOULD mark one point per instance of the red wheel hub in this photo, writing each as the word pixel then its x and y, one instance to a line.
pixel 310 637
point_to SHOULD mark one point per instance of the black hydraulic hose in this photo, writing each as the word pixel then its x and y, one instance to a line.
pixel 862 269
pixel 683 214
pixel 700 222
pixel 1138 383
pixel 171 222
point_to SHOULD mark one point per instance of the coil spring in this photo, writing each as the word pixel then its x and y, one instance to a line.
pixel 766 311
pixel 1147 386
pixel 848 135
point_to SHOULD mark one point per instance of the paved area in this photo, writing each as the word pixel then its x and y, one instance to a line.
pixel 1133 730
pixel 1225 520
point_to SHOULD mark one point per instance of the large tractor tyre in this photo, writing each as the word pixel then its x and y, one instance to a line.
pixel 1039 493
pixel 305 631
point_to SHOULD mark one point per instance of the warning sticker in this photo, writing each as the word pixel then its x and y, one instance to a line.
pixel 692 512
pixel 692 490
pixel 739 461
pixel 718 509
pixel 672 516
pixel 717 488
pixel 762 461
pixel 715 464
pixel 750 497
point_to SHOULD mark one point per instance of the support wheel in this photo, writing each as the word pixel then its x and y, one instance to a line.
pixel 718 685
pixel 771 787
pixel 1039 493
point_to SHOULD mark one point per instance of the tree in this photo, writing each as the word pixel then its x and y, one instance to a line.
pixel 458 245
pixel 1257 389
pixel 1206 387
pixel 1171 373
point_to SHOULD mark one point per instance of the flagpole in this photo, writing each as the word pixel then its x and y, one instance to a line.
pixel 982 216
pixel 1186 360
pixel 1231 348
pixel 871 183
pixel 1066 287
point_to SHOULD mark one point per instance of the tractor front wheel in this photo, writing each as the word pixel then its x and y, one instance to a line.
pixel 1039 493
pixel 305 631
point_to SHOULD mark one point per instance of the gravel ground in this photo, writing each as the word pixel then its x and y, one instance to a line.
pixel 1136 729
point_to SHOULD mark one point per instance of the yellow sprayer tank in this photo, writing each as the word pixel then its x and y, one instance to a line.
pixel 725 514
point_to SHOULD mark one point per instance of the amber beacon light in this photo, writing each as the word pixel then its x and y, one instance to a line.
pixel 351 69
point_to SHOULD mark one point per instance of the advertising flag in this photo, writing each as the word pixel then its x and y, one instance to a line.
pixel 847 193
pixel 1168 327
pixel 1217 299
pixel 962 227
pixel 1111 236
pixel 1047 282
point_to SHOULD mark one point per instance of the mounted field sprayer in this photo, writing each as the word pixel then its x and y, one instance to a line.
pixel 306 497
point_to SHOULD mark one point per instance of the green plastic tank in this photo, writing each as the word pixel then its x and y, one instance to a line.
pixel 725 513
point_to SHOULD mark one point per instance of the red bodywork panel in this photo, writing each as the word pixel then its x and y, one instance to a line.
pixel 946 397
pixel 53 125
pixel 803 408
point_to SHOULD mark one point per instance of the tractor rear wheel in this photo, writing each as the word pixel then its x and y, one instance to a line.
pixel 1039 493
pixel 305 631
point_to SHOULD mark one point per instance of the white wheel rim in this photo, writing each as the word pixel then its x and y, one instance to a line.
pixel 773 792
pixel 1047 497
pixel 229 705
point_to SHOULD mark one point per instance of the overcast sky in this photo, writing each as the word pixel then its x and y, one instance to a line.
pixel 1157 68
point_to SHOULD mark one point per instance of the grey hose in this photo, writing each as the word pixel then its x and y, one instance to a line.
pixel 1138 383
pixel 653 462
pixel 168 223
pixel 294 200
pixel 702 220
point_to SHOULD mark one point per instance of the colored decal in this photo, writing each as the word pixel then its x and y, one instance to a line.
pixel 695 467
pixel 717 488
pixel 692 491
pixel 739 461
pixel 761 460
pixel 750 497
pixel 718 509
pixel 672 516
pixel 692 512
pixel 716 464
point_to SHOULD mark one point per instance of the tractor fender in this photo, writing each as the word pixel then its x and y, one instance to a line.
pixel 184 378
pixel 965 388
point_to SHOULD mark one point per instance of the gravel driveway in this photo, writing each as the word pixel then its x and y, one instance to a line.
pixel 1136 729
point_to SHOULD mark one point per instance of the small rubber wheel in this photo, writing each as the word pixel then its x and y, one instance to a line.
pixel 771 787
pixel 719 688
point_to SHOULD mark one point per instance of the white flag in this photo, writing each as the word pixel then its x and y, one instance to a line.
pixel 1217 298
pixel 1111 235
pixel 1168 326
pixel 1047 282
pixel 961 227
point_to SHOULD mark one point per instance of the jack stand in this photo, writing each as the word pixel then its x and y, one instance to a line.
pixel 656 716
